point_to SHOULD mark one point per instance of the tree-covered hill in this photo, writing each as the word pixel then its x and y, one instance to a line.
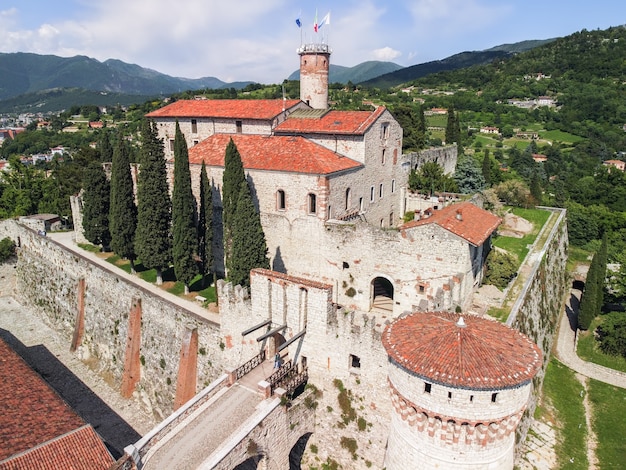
pixel 22 73
pixel 357 74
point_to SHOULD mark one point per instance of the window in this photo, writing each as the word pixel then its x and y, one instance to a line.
pixel 494 397
pixel 312 205
pixel 348 199
pixel 380 191
pixel 196 142
pixel 194 126
pixel 393 186
pixel 427 387
pixel 384 130
pixel 422 288
pixel 391 219
pixel 372 194
pixel 449 395
pixel 171 145
pixel 382 160
pixel 355 361
pixel 280 200
pixel 471 398
pixel 239 126
pixel 361 204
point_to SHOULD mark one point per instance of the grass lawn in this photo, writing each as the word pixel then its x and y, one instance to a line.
pixel 169 279
pixel 576 256
pixel 560 136
pixel 561 405
pixel 437 120
pixel 519 246
pixel 609 411
pixel 589 349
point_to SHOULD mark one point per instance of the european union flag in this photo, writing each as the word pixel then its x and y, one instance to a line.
pixel 298 22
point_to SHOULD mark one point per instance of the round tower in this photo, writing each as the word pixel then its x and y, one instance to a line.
pixel 459 386
pixel 314 66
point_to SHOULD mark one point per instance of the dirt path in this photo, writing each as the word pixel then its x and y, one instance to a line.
pixel 592 441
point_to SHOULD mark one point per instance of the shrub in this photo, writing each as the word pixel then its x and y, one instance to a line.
pixel 349 443
pixel 612 334
pixel 7 249
pixel 501 268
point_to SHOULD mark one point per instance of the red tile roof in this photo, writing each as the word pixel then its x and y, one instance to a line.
pixel 333 122
pixel 30 410
pixel 463 219
pixel 80 449
pixel 229 109
pixel 272 153
pixel 482 355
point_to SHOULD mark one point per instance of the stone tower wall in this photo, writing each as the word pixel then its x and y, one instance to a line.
pixel 314 68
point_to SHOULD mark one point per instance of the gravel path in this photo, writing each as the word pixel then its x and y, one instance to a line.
pixel 566 347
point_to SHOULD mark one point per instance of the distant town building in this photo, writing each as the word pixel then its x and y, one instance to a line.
pixel 539 158
pixel 489 130
pixel 620 165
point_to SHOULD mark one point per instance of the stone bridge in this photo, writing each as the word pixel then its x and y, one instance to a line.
pixel 243 420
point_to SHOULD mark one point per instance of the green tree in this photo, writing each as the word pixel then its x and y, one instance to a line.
pixel 468 176
pixel 205 225
pixel 612 334
pixel 123 211
pixel 589 302
pixel 430 178
pixel 231 185
pixel 184 240
pixel 249 248
pixel 105 147
pixel 486 168
pixel 7 249
pixel 96 200
pixel 501 268
pixel 153 240
pixel 535 187
pixel 452 135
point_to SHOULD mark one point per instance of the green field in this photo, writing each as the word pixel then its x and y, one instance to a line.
pixel 520 246
pixel 562 407
pixel 609 423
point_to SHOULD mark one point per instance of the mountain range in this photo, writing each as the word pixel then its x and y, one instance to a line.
pixel 33 82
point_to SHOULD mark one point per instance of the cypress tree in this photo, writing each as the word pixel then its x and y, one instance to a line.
pixel 153 241
pixel 601 278
pixel 451 127
pixel 183 214
pixel 487 168
pixel 96 198
pixel 249 248
pixel 104 147
pixel 233 177
pixel 123 211
pixel 205 225
pixel 589 302
pixel 535 187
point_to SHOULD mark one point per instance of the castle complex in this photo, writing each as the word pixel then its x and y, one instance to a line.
pixel 357 301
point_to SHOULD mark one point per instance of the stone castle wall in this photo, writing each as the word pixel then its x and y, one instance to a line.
pixel 538 306
pixel 61 285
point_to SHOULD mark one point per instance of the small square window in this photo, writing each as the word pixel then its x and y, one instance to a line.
pixel 355 361
pixel 494 397
pixel 427 387
pixel 449 395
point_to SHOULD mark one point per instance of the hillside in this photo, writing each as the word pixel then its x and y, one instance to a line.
pixel 23 73
pixel 359 73
pixel 454 62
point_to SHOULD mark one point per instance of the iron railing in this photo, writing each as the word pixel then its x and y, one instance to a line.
pixel 251 364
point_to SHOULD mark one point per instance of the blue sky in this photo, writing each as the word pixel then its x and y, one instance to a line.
pixel 257 39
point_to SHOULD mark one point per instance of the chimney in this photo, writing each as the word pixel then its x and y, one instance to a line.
pixel 459 216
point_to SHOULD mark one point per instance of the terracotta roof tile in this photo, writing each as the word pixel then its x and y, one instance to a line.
pixel 333 122
pixel 80 449
pixel 463 219
pixel 272 153
pixel 482 355
pixel 30 410
pixel 229 109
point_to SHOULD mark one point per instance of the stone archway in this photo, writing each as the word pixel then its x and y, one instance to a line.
pixel 382 292
pixel 295 455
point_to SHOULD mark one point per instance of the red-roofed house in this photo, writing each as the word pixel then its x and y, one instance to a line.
pixel 620 165
pixel 37 428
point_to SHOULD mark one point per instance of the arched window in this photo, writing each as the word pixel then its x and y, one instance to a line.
pixel 280 200
pixel 312 203
pixel 348 199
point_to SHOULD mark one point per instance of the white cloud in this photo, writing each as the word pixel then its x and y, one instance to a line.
pixel 386 54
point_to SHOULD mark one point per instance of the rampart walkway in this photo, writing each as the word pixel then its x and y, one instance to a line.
pixel 565 349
